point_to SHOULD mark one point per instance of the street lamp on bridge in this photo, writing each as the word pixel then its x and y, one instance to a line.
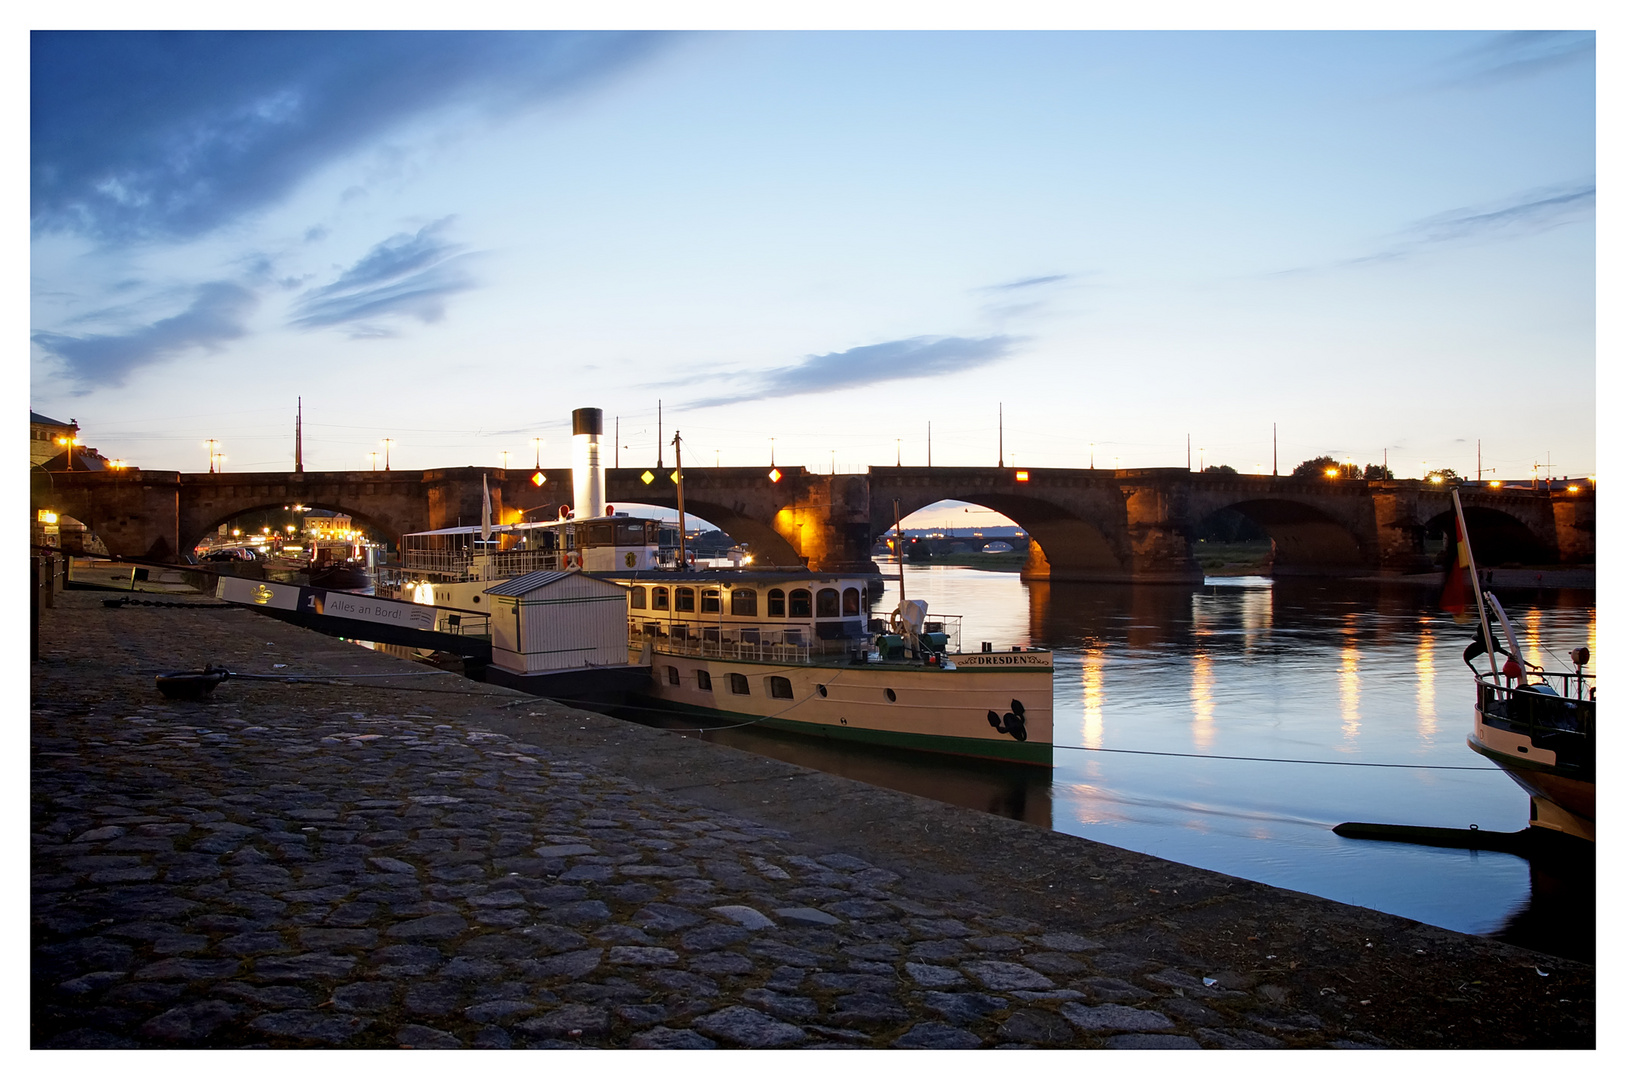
pixel 387 444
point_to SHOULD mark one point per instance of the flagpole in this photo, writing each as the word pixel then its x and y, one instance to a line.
pixel 1479 595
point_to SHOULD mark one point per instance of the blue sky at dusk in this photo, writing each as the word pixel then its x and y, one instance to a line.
pixel 1376 240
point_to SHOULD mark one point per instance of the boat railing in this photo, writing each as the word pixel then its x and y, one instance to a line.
pixel 779 652
pixel 1540 709
pixel 499 564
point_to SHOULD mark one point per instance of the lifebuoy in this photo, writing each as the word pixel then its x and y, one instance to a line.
pixel 573 561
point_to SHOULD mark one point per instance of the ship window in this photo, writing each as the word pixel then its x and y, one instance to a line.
pixel 738 683
pixel 685 600
pixel 601 534
pixel 779 686
pixel 710 601
pixel 891 695
pixel 829 604
pixel 824 691
pixel 776 603
pixel 849 602
pixel 638 597
pixel 743 602
pixel 702 679
pixel 801 604
pixel 672 676
pixel 629 533
pixel 658 598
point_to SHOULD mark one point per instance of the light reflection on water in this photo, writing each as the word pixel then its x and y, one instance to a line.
pixel 1246 668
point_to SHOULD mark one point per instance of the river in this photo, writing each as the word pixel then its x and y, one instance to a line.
pixel 1348 701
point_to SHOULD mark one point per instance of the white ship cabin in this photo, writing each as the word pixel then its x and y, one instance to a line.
pixel 451 567
pixel 721 612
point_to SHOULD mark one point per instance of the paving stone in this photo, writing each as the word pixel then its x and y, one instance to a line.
pixel 308 966
pixel 572 1021
pixel 664 1038
pixel 95 980
pixel 270 997
pixel 805 916
pixel 1038 1026
pixel 1114 1018
pixel 1054 963
pixel 1114 990
pixel 748 917
pixel 689 982
pixel 744 1026
pixel 501 1009
pixel 666 918
pixel 309 1025
pixel 1001 975
pixel 868 1010
pixel 189 969
pixel 1237 1039
pixel 932 975
pixel 573 964
pixel 492 1038
pixel 190 1022
pixel 784 1006
pixel 722 963
pixel 937 950
pixel 363 996
pixel 642 956
pixel 1141 1041
pixel 932 1035
pixel 418 1037
pixel 965 1008
pixel 433 998
pixel 429 928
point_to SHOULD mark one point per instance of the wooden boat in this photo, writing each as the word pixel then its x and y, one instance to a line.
pixel 1538 726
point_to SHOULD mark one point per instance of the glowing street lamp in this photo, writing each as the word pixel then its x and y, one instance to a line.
pixel 387 444
pixel 538 443
pixel 211 445
pixel 373 455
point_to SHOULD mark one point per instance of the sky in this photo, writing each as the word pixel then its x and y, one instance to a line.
pixel 814 246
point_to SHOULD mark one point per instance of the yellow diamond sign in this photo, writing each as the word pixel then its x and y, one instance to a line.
pixel 674 477
pixel 775 475
pixel 648 477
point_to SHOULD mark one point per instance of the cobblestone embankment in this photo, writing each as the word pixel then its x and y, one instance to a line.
pixel 422 861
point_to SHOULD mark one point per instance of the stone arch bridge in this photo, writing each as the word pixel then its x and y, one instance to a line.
pixel 1132 525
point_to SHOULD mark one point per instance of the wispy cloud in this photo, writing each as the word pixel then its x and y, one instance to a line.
pixel 1521 215
pixel 1026 283
pixel 410 274
pixel 218 314
pixel 1520 54
pixel 866 365
pixel 174 134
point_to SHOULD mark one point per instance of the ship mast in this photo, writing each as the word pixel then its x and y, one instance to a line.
pixel 683 553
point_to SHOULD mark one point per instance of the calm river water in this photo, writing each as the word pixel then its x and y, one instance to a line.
pixel 1154 683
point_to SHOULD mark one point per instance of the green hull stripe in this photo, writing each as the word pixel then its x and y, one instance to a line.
pixel 1011 750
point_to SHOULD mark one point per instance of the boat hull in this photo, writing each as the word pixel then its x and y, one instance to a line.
pixel 1562 797
pixel 928 708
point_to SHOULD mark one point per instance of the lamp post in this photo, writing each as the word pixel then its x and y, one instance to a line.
pixel 211 444
pixel 373 454
pixel 504 460
pixel 538 444
pixel 387 444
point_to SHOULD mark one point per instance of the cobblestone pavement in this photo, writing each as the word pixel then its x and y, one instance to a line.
pixel 363 865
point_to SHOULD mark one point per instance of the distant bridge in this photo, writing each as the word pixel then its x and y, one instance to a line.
pixel 1135 525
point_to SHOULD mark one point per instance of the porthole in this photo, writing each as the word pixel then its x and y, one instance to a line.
pixel 824 691
pixel 891 694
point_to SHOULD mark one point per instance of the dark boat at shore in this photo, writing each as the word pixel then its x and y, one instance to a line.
pixel 1537 726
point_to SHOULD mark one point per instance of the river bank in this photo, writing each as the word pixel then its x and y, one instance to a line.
pixel 392 856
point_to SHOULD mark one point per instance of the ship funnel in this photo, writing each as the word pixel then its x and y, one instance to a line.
pixel 586 462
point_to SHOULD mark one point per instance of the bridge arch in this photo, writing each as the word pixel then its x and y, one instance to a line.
pixel 1305 539
pixel 1498 538
pixel 1062 544
pixel 376 528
